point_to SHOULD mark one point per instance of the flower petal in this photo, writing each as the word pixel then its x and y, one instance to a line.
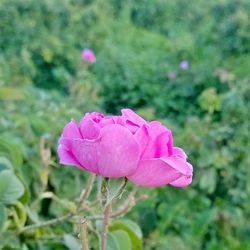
pixel 154 173
pixel 115 153
pixel 133 117
pixel 142 138
pixel 179 152
pixel 66 157
pixel 118 152
pixel 155 140
pixel 86 153
pixel 184 180
pixel 88 128
pixel 71 130
pixel 161 171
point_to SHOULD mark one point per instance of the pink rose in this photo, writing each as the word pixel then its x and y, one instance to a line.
pixel 88 56
pixel 125 146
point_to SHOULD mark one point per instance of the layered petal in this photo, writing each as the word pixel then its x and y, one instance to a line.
pixel 118 152
pixel 179 152
pixel 184 180
pixel 133 117
pixel 159 172
pixel 125 146
pixel 71 130
pixel 89 129
pixel 115 153
pixel 131 120
pixel 66 157
pixel 155 140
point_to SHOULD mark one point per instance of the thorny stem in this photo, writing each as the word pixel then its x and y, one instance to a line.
pixel 106 218
pixel 107 212
pixel 83 228
pixel 115 214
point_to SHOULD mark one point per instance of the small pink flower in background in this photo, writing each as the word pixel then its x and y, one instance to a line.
pixel 184 65
pixel 125 146
pixel 172 75
pixel 88 55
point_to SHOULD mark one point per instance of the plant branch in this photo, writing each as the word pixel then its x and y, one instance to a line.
pixel 46 223
pixel 106 218
pixel 128 203
pixel 88 189
pixel 84 234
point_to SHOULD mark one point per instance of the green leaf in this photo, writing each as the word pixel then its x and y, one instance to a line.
pixel 11 152
pixel 5 164
pixel 132 229
pixel 123 239
pixel 11 187
pixel 112 242
pixel 9 240
pixel 24 247
pixel 2 216
pixel 71 242
pixel 208 180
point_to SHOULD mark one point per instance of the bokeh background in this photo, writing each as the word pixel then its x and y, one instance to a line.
pixel 139 46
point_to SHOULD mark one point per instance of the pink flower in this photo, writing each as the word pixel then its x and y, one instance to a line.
pixel 88 56
pixel 184 65
pixel 125 146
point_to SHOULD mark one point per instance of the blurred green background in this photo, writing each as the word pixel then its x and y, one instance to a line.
pixel 139 46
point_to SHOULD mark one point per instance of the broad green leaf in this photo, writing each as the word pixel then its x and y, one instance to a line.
pixel 71 242
pixel 11 152
pixel 123 239
pixel 2 216
pixel 112 242
pixel 132 229
pixel 5 163
pixel 11 187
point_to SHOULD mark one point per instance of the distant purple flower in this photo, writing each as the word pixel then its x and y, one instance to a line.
pixel 88 55
pixel 171 75
pixel 184 65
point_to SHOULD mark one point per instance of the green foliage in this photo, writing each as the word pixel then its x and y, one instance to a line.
pixel 44 83
pixel 123 240
pixel 131 228
pixel 10 187
pixel 3 216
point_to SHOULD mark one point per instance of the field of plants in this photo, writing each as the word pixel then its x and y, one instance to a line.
pixel 184 63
